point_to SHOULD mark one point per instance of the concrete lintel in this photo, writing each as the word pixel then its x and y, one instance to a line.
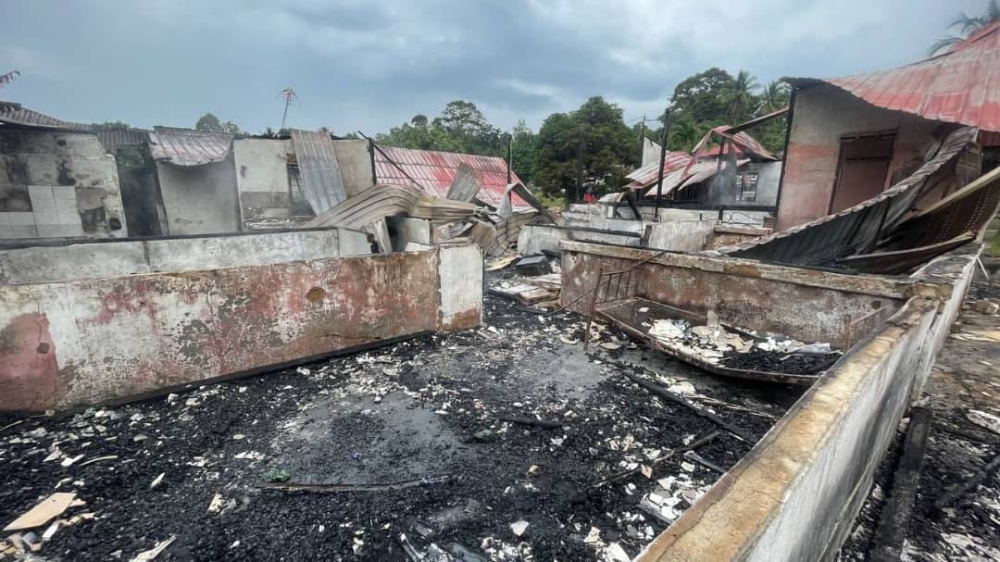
pixel 862 284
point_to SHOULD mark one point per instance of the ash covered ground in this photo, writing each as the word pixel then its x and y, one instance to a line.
pixel 425 425
pixel 966 377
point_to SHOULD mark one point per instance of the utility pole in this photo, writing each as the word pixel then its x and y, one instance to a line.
pixel 663 155
pixel 642 137
pixel 290 98
pixel 579 167
pixel 510 155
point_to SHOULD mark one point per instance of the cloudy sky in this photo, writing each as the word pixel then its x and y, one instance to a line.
pixel 371 64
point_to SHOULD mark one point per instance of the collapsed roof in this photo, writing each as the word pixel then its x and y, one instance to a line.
pixel 959 86
pixel 435 171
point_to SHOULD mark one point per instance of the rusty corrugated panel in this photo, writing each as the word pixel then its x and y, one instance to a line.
pixel 836 236
pixel 187 147
pixel 15 114
pixel 745 143
pixel 648 174
pixel 959 86
pixel 435 171
pixel 321 181
pixel 112 139
pixel 466 184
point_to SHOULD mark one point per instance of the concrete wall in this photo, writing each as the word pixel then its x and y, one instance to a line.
pixel 822 114
pixel 58 184
pixel 732 235
pixel 795 496
pixel 534 239
pixel 200 199
pixel 355 165
pixel 679 236
pixel 406 230
pixel 810 305
pixel 54 263
pixel 82 342
pixel 262 177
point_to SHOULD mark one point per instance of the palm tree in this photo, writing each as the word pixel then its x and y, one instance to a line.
pixel 740 95
pixel 773 97
pixel 967 26
pixel 9 77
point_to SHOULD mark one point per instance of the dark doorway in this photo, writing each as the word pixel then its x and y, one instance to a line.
pixel 861 170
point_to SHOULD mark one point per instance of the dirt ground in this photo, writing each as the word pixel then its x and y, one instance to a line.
pixel 965 378
pixel 431 428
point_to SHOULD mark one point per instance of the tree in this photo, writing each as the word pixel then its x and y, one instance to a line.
pixel 9 77
pixel 461 127
pixel 210 123
pixel 524 147
pixel 598 130
pixel 967 26
pixel 740 97
pixel 701 98
pixel 109 126
pixel 773 97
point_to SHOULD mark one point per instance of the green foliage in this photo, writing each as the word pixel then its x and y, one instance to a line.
pixel 276 475
pixel 210 123
pixel 967 25
pixel 524 149
pixel 461 127
pixel 596 130
pixel 110 126
pixel 8 77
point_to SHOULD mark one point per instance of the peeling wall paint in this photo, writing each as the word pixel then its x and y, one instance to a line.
pixel 81 342
pixel 784 300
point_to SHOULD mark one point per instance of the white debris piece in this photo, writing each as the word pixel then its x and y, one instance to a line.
pixel 519 527
pixel 984 419
pixel 668 329
pixel 593 537
pixel 68 461
pixel 215 506
pixel 615 553
pixel 151 554
pixel 157 481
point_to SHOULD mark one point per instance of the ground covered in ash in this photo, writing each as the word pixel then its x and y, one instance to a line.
pixel 433 431
pixel 965 378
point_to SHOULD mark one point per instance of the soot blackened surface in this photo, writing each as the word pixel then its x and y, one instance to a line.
pixel 431 408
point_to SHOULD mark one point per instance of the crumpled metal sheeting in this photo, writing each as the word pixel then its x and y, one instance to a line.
pixel 321 182
pixel 835 236
pixel 466 184
pixel 388 200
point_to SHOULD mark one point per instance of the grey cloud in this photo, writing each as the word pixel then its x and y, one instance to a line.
pixel 371 65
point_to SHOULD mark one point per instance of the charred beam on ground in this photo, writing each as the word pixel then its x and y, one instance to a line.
pixel 668 396
pixel 895 520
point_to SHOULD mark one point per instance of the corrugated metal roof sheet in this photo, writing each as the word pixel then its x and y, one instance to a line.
pixel 112 139
pixel 746 143
pixel 435 171
pixel 959 86
pixel 187 147
pixel 672 161
pixel 835 236
pixel 321 182
pixel 14 114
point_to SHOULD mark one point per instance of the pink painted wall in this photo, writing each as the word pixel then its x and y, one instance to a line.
pixel 72 343
pixel 822 115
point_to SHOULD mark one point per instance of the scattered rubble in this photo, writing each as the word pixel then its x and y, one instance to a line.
pixel 550 421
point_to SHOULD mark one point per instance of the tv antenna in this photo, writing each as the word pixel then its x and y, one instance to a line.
pixel 290 99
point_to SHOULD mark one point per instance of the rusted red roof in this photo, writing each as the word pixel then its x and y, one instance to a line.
pixel 672 161
pixel 186 147
pixel 745 143
pixel 434 171
pixel 959 86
